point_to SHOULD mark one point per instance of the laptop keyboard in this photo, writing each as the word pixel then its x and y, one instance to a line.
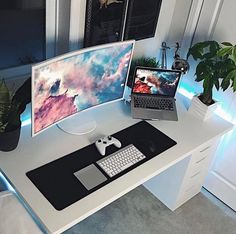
pixel 153 103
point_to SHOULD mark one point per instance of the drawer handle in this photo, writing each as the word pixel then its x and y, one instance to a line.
pixel 205 149
pixel 201 159
pixel 195 174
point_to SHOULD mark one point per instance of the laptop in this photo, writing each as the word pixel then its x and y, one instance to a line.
pixel 153 93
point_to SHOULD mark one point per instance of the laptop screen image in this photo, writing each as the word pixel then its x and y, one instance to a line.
pixel 156 81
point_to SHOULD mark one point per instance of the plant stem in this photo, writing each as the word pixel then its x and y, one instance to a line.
pixel 206 97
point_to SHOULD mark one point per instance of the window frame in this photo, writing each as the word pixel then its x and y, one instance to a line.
pixel 56 11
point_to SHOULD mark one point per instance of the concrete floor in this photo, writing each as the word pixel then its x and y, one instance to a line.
pixel 139 212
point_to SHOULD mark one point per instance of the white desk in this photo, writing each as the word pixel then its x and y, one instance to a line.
pixel 174 176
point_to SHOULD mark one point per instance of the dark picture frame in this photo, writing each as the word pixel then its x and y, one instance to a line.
pixel 104 21
pixel 142 18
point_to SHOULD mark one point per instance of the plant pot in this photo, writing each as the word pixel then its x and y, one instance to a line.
pixel 201 110
pixel 9 140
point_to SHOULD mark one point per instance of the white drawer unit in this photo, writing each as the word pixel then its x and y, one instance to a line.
pixel 196 171
pixel 185 179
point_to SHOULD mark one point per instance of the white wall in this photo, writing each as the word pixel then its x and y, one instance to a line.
pixel 77 23
pixel 151 47
pixel 179 21
pixel 225 26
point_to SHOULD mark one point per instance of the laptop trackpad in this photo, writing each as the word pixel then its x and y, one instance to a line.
pixel 90 176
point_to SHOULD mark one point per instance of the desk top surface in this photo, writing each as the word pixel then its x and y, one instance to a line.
pixel 189 133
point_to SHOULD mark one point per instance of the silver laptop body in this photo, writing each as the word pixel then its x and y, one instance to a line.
pixel 153 93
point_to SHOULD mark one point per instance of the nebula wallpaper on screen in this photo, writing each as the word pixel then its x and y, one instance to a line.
pixel 69 85
pixel 156 82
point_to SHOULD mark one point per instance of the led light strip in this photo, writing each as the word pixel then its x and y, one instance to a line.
pixel 6 183
pixel 26 122
pixel 187 92
pixel 182 90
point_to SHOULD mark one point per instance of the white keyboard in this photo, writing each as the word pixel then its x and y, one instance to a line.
pixel 120 160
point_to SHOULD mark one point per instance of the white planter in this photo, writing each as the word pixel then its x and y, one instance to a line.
pixel 200 110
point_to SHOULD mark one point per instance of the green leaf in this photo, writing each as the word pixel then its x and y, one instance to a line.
pixel 5 96
pixel 225 51
pixel 5 105
pixel 217 84
pixel 213 49
pixel 13 121
pixel 234 84
pixel 209 55
pixel 23 96
pixel 200 69
pixel 234 54
pixel 226 43
pixel 204 50
pixel 197 50
pixel 223 67
pixel 200 77
pixel 196 54
pixel 231 75
pixel 210 49
pixel 203 70
pixel 225 83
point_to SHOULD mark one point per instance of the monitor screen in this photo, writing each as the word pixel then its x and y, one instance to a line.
pixel 79 80
pixel 156 81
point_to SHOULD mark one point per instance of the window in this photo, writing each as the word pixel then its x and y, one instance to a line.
pixel 31 31
pixel 22 41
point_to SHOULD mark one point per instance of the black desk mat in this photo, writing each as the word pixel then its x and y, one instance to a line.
pixel 57 182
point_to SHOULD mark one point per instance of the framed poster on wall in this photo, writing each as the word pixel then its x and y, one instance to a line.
pixel 104 21
pixel 141 20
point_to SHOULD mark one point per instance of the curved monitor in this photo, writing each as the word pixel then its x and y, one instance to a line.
pixel 77 81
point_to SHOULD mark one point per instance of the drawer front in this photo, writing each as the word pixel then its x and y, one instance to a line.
pixel 201 159
pixel 188 193
pixel 198 166
pixel 195 178
pixel 205 151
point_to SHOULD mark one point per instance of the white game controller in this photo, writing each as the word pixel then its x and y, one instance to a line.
pixel 102 143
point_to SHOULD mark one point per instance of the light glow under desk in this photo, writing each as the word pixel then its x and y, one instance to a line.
pixel 189 133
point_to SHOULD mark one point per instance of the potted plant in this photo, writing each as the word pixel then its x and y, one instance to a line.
pixel 216 68
pixel 11 107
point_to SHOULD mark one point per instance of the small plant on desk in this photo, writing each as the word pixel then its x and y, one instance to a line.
pixel 217 67
pixel 11 107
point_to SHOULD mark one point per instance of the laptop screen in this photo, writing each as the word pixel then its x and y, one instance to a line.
pixel 156 81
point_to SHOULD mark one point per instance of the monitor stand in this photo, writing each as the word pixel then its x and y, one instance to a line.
pixel 79 124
